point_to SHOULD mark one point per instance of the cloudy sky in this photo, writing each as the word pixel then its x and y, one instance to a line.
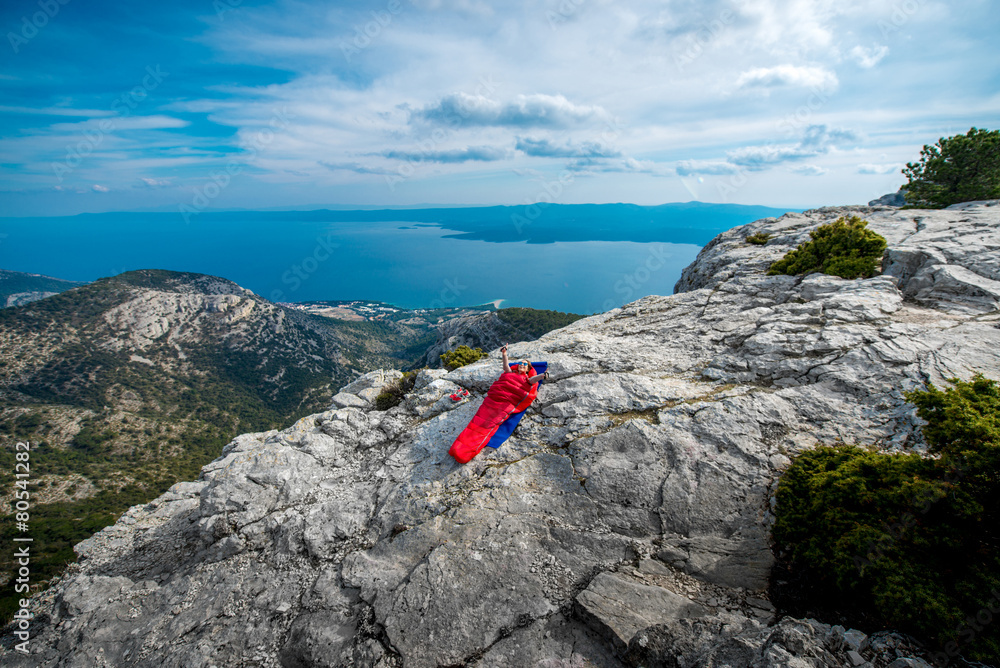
pixel 241 103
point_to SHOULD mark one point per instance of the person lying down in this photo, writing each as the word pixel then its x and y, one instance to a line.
pixel 505 403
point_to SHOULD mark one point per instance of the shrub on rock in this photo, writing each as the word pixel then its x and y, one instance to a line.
pixel 963 168
pixel 393 393
pixel 461 356
pixel 845 248
pixel 904 541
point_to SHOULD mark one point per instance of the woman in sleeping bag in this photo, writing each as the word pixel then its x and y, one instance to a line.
pixel 512 392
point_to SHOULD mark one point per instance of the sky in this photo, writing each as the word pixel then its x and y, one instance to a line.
pixel 222 104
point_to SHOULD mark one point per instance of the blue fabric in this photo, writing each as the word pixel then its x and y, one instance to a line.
pixel 507 427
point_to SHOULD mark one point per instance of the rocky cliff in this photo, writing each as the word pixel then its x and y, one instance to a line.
pixel 625 523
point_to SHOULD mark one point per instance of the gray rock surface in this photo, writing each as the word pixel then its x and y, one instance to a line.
pixel 641 479
pixel 620 607
pixel 727 640
pixel 897 198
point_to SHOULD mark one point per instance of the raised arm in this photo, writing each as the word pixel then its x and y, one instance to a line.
pixel 506 362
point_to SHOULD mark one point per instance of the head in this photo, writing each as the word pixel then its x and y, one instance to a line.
pixel 523 366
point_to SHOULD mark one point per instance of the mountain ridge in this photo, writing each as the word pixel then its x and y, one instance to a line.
pixel 133 382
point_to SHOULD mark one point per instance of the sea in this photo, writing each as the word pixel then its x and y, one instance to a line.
pixel 572 258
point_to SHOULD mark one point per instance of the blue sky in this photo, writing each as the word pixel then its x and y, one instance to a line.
pixel 192 105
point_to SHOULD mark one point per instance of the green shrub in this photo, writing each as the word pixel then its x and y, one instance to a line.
pixel 903 541
pixel 845 248
pixel 461 356
pixel 758 239
pixel 964 420
pixel 963 168
pixel 393 393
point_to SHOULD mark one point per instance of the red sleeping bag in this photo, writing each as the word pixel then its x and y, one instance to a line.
pixel 511 393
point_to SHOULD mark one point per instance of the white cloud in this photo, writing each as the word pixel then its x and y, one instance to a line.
pixel 100 189
pixel 357 168
pixel 788 75
pixel 544 148
pixel 155 183
pixel 55 111
pixel 157 122
pixel 809 170
pixel 691 167
pixel 469 153
pixel 757 157
pixel 816 140
pixel 870 168
pixel 476 8
pixel 869 58
pixel 592 166
pixel 462 109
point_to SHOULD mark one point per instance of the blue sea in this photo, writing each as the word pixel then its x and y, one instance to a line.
pixel 574 258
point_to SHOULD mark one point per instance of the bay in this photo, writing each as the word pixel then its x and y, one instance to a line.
pixel 575 258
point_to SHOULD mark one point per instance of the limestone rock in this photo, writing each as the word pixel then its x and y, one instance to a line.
pixel 372 381
pixel 21 298
pixel 434 397
pixel 735 642
pixel 619 607
pixel 897 198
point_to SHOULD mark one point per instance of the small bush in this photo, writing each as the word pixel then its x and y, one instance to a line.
pixel 393 393
pixel 963 421
pixel 845 248
pixel 461 356
pixel 758 239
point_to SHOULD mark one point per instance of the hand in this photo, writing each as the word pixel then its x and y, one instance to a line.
pixel 503 348
pixel 545 375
